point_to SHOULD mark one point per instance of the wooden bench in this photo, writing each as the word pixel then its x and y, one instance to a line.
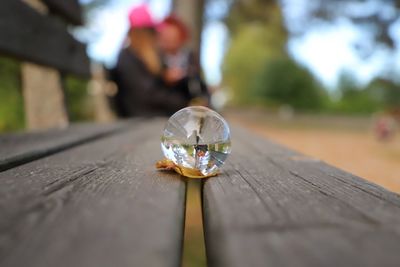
pixel 89 195
pixel 275 207
pixel 100 202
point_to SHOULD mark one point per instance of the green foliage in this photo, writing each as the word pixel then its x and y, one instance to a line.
pixel 267 12
pixel 247 54
pixel 356 99
pixel 358 102
pixel 392 96
pixel 283 81
pixel 257 68
pixel 77 98
pixel 11 100
pixel 386 90
pixel 258 35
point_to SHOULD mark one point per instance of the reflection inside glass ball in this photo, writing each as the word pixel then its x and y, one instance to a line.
pixel 197 138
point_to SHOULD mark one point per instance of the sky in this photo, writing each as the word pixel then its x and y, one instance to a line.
pixel 326 50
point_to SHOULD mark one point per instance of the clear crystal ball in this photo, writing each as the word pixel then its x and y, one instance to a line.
pixel 197 138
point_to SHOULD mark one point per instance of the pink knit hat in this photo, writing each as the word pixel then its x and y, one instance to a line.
pixel 140 17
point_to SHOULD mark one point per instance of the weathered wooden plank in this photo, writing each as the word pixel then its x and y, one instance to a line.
pixel 17 149
pixel 274 207
pixel 98 204
pixel 69 9
pixel 27 35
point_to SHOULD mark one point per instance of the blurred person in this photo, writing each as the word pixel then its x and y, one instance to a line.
pixel 385 127
pixel 137 74
pixel 395 113
pixel 181 69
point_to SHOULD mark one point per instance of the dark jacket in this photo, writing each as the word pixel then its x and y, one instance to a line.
pixel 192 85
pixel 140 93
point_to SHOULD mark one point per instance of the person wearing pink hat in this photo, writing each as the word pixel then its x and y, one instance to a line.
pixel 138 72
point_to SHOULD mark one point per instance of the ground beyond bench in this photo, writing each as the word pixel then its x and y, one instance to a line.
pixel 101 203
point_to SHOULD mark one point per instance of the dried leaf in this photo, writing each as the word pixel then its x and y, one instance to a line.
pixel 168 165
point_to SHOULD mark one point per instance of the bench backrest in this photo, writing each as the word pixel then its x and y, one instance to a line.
pixel 35 32
pixel 43 39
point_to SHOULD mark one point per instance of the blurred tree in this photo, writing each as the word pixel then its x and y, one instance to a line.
pixel 251 47
pixel 386 90
pixel 267 12
pixel 375 16
pixel 284 82
pixel 257 36
pixel 357 99
pixel 191 12
pixel 257 63
pixel 258 43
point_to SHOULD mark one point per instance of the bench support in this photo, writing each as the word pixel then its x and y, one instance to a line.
pixel 42 88
pixel 43 97
pixel 99 88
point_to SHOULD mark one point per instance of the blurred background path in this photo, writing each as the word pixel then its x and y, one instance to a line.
pixel 345 142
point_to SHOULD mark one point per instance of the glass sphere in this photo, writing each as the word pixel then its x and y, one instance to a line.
pixel 197 138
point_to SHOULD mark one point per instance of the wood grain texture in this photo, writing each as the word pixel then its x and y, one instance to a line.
pixel 98 204
pixel 68 9
pixel 27 35
pixel 17 149
pixel 274 207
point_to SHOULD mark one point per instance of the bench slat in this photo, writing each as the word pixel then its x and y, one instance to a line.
pixel 98 204
pixel 29 36
pixel 69 9
pixel 274 207
pixel 17 149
